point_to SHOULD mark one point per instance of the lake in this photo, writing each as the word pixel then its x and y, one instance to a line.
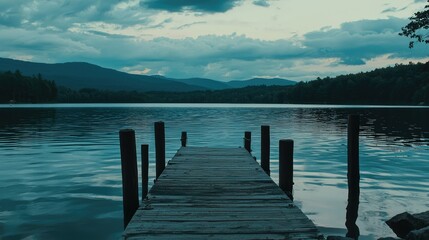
pixel 60 175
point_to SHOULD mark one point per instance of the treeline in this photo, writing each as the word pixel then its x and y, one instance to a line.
pixel 401 84
pixel 89 95
pixel 259 94
pixel 14 87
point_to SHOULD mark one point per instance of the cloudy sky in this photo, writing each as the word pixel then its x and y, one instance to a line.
pixel 218 39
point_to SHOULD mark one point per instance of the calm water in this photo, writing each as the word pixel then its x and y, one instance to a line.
pixel 60 174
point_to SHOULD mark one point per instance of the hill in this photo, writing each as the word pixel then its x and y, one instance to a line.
pixel 204 83
pixel 77 75
pixel 398 85
pixel 217 85
pixel 261 82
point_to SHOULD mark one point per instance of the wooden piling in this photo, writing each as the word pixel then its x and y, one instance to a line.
pixel 286 166
pixel 353 176
pixel 130 192
pixel 248 141
pixel 159 147
pixel 184 138
pixel 145 169
pixel 265 148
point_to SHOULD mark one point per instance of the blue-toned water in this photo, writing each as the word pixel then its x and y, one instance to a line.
pixel 60 175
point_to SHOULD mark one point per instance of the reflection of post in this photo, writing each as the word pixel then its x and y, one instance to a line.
pixel 353 176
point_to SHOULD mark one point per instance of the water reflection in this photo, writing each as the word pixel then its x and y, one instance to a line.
pixel 60 168
pixel 24 123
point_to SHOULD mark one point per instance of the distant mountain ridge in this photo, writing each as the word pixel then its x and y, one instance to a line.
pixel 78 75
pixel 217 85
pixel 204 82
pixel 260 82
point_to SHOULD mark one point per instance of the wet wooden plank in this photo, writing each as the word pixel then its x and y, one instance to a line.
pixel 217 193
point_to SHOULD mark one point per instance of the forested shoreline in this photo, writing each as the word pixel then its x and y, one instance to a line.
pixel 14 87
pixel 398 85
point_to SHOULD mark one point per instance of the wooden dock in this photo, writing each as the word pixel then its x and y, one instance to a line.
pixel 217 193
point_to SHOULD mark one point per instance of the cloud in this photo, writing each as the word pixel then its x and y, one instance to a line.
pixel 352 46
pixel 46 47
pixel 112 34
pixel 393 9
pixel 210 6
pixel 190 24
pixel 162 23
pixel 356 42
pixel 61 14
pixel 262 3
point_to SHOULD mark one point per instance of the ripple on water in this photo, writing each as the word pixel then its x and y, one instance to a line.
pixel 60 168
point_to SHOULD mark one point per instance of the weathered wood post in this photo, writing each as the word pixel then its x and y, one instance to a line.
pixel 184 138
pixel 286 166
pixel 265 148
pixel 353 176
pixel 130 191
pixel 248 141
pixel 145 170
pixel 159 147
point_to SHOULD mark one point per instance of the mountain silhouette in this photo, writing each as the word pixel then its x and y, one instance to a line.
pixel 78 75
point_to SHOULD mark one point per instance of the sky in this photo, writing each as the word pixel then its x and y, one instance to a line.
pixel 218 39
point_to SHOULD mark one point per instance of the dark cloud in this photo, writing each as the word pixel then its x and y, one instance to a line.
pixel 355 42
pixel 210 6
pixel 69 35
pixel 161 24
pixel 351 61
pixel 393 9
pixel 237 56
pixel 62 14
pixel 47 47
pixel 262 3
pixel 190 24
pixel 109 35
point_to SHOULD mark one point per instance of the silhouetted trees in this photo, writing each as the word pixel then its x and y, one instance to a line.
pixel 19 88
pixel 418 27
pixel 401 84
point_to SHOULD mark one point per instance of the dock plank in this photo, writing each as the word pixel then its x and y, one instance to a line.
pixel 217 193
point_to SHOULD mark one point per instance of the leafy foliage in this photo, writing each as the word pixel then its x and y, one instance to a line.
pixel 418 27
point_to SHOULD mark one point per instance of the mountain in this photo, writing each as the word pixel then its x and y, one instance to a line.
pixel 205 83
pixel 260 82
pixel 217 85
pixel 77 75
